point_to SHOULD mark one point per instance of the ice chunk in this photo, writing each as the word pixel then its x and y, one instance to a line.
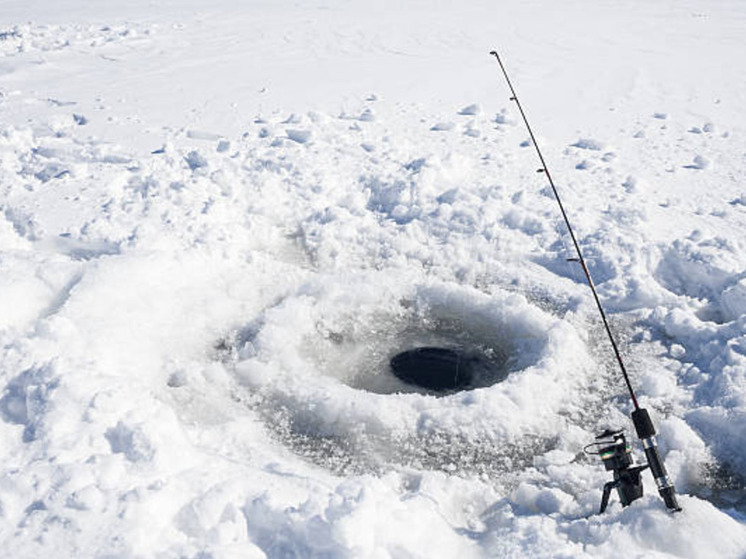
pixel 588 143
pixel 299 136
pixel 442 127
pixel 195 160
pixel 471 110
pixel 700 162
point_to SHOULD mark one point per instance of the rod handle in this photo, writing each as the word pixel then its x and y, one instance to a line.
pixel 646 432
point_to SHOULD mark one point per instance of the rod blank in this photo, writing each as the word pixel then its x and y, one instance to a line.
pixel 545 170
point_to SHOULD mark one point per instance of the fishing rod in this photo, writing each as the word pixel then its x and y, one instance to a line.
pixel 611 445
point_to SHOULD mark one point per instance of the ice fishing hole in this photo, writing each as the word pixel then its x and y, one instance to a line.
pixel 435 349
pixel 317 366
pixel 434 339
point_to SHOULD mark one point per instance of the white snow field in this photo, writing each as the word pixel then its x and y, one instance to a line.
pixel 220 220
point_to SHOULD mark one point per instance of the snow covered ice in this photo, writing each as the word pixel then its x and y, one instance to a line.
pixel 219 221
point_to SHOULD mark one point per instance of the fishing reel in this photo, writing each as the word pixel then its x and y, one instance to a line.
pixel 611 446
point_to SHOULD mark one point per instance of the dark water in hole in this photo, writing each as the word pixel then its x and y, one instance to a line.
pixel 438 369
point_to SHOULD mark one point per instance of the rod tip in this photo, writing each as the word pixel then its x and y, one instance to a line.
pixel 493 52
